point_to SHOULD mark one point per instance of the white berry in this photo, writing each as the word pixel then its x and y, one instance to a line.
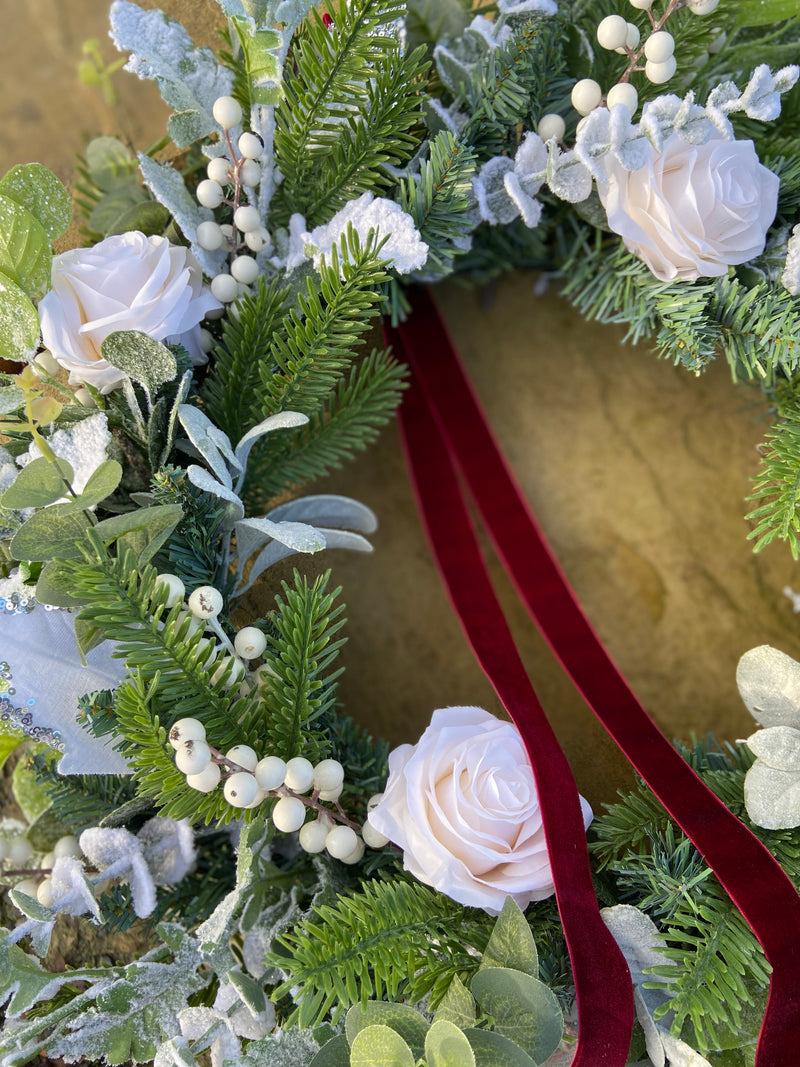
pixel 250 173
pixel 703 7
pixel 331 794
pixel 257 240
pixel 659 46
pixel 227 112
pixel 207 780
pixel 313 836
pixel 186 730
pixel 47 861
pixel 20 851
pixel 209 235
pixel 612 31
pixel 623 93
pixel 374 801
pixel 27 886
pixel 193 757
pixel 270 772
pixel 3 848
pixel 244 756
pixel 251 146
pixel 641 5
pixel 550 126
pixel 341 841
pixel 328 774
pixel 289 814
pixel 175 588
pixel 84 397
pixel 249 642
pixel 240 789
pixel 232 674
pixel 372 837
pixel 219 170
pixel 299 774
pixel 207 341
pixel 225 288
pixel 209 194
pixel 633 38
pixel 658 73
pixel 586 95
pixel 45 363
pixel 247 218
pixel 357 853
pixel 44 892
pixel 66 846
pixel 205 602
pixel 244 269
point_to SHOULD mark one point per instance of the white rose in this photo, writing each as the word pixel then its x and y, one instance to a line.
pixel 462 805
pixel 692 210
pixel 126 282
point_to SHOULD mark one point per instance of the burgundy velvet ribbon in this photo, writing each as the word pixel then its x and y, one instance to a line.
pixel 446 432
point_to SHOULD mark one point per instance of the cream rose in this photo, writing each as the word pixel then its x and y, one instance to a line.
pixel 462 805
pixel 126 282
pixel 693 210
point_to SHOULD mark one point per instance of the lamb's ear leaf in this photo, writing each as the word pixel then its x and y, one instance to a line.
pixel 141 357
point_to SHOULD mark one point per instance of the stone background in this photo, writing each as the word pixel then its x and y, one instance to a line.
pixel 636 469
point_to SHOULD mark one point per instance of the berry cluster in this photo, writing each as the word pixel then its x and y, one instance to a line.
pixel 230 174
pixel 18 851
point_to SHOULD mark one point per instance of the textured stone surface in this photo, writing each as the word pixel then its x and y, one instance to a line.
pixel 636 469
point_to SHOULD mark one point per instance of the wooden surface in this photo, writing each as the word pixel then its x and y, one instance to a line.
pixel 636 469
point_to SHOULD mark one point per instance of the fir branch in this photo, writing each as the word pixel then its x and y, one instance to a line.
pixel 298 655
pixel 388 941
pixel 326 87
pixel 347 424
pixel 192 550
pixel 229 391
pixel 777 488
pixel 81 800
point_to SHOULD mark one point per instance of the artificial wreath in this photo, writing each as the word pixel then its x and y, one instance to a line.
pixel 182 767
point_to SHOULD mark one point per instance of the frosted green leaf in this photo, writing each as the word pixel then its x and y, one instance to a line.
pixel 772 797
pixel 114 205
pixel 494 1050
pixel 769 685
pixel 446 1046
pixel 336 1053
pixel 141 357
pixel 763 12
pixel 40 191
pixel 403 1019
pixel 153 521
pixel 19 323
pixel 523 1008
pixel 295 535
pixel 11 398
pixel 39 483
pixel 379 1046
pixel 778 747
pixel 50 534
pixel 30 796
pixel 109 163
pixel 25 254
pixel 101 484
pixel 511 942
pixel 293 11
pixel 457 1005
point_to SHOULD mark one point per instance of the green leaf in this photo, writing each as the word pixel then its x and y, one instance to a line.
pixel 9 742
pixel 40 191
pixel 511 944
pixel 380 1046
pixel 761 12
pixel 446 1046
pixel 50 534
pixel 109 163
pixel 87 635
pixel 457 1005
pixel 263 68
pixel 19 323
pixel 30 796
pixel 25 254
pixel 494 1050
pixel 401 1018
pixel 56 585
pixel 149 217
pixel 144 359
pixel 334 1053
pixel 39 483
pixel 101 484
pixel 153 522
pixel 108 210
pixel 523 1008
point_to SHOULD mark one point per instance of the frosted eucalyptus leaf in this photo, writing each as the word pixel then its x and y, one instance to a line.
pixel 769 685
pixel 40 191
pixel 101 484
pixel 679 1053
pixel 25 254
pixel 19 324
pixel 335 1053
pixel 148 217
pixel 511 942
pixel 446 1046
pixel 328 509
pixel 772 797
pixel 38 484
pixel 153 521
pixel 523 1008
pixel 380 1045
pixel 457 1005
pixel 778 747
pixel 403 1019
pixel 141 357
pixel 284 420
pixel 495 1050
pixel 50 534
pixel 455 74
pixel 109 163
pixel 496 207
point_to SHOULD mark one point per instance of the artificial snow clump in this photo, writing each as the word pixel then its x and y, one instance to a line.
pixel 83 447
pixel 790 278
pixel 403 248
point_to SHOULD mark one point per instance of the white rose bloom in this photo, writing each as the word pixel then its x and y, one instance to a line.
pixel 693 210
pixel 462 805
pixel 126 282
